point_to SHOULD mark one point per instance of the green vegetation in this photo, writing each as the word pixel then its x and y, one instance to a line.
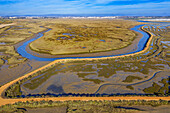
pixel 33 84
pixel 83 106
pixel 96 81
pixel 12 35
pixel 139 63
pixel 85 36
pixel 14 90
pixel 157 89
pixel 153 59
pixel 83 75
pixel 130 87
pixel 1 62
pixel 5 21
pixel 10 55
pixel 8 50
pixel 142 63
pixel 131 78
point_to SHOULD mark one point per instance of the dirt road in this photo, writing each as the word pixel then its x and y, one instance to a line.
pixel 4 25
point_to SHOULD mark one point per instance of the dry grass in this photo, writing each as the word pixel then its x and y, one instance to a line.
pixel 1 62
pixel 20 31
pixel 86 36
pixel 11 34
pixel 10 55
pixel 5 21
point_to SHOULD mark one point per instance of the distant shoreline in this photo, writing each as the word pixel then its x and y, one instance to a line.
pixel 156 20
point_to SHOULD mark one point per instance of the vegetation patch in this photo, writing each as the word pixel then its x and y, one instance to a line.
pixel 14 91
pixel 34 83
pixel 131 78
pixel 5 21
pixel 85 36
pixel 157 89
pixel 83 75
pixel 96 81
pixel 130 87
pixel 83 106
pixel 10 56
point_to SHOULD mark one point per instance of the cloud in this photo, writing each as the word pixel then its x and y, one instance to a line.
pixel 108 1
pixel 24 7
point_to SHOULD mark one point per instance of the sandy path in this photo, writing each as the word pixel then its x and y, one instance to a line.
pixel 10 101
pixel 4 101
pixel 4 25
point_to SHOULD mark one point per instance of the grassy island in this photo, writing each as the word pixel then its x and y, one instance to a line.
pixel 71 36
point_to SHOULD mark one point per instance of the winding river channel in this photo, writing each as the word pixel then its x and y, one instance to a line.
pixel 140 46
pixel 22 49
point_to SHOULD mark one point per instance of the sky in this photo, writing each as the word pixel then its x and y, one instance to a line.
pixel 110 7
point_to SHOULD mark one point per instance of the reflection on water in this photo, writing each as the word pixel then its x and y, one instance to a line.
pixel 68 34
pixel 55 89
pixel 103 40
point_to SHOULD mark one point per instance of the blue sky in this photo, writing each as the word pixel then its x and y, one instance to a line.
pixel 120 7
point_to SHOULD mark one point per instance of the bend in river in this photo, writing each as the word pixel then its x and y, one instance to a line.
pixel 22 49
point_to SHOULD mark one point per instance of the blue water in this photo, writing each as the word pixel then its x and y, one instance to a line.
pixel 161 25
pixel 59 38
pixel 103 40
pixel 152 22
pixel 22 49
pixel 68 34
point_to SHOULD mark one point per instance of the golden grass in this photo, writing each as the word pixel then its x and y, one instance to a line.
pixel 19 31
pixel 11 34
pixel 1 62
pixel 10 55
pixel 87 36
pixel 9 50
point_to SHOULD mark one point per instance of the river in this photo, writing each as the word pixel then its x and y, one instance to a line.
pixel 22 49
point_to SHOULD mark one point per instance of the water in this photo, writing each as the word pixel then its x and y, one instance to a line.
pixel 146 53
pixel 68 34
pixel 166 42
pixel 59 38
pixel 161 25
pixel 22 49
pixel 103 40
pixel 2 43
